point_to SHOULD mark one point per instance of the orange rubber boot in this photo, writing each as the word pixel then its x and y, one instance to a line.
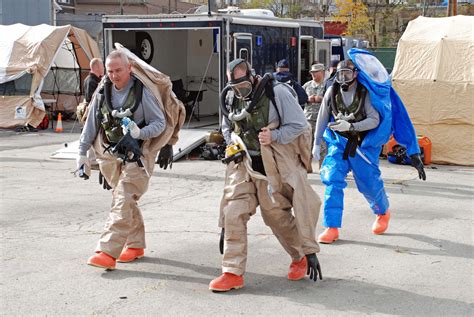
pixel 297 269
pixel 102 260
pixel 226 282
pixel 381 223
pixel 329 236
pixel 131 254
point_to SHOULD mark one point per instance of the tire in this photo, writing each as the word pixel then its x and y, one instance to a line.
pixel 144 46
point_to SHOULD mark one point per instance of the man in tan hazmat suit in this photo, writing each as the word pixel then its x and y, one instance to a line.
pixel 131 117
pixel 266 121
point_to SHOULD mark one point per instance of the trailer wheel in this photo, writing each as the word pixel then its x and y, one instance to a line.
pixel 144 46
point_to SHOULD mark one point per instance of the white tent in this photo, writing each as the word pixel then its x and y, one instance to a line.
pixel 40 59
pixel 434 76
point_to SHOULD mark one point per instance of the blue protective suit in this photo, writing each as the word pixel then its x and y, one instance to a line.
pixel 365 164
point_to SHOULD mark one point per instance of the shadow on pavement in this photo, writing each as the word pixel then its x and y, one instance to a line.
pixel 411 187
pixel 343 295
pixel 443 247
pixel 123 274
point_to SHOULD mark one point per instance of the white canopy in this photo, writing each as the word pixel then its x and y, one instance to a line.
pixel 434 76
pixel 34 50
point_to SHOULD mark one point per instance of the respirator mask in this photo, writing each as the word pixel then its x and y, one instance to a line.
pixel 345 77
pixel 242 86
pixel 345 74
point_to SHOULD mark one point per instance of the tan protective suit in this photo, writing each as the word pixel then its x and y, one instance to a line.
pixel 286 167
pixel 129 182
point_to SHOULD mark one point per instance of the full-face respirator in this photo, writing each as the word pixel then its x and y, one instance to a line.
pixel 242 86
pixel 345 74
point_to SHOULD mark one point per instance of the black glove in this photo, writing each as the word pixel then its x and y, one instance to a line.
pixel 418 164
pixel 127 149
pixel 313 267
pixel 103 182
pixel 165 157
pixel 221 242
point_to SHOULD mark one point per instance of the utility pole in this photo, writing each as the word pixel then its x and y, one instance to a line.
pixel 53 12
pixel 121 7
pixel 324 9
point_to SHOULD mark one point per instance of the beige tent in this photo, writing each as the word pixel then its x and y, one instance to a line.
pixel 433 74
pixel 28 55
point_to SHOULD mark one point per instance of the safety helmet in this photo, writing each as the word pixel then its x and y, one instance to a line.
pixel 242 86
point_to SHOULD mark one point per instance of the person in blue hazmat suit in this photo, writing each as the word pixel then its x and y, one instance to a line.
pixel 359 113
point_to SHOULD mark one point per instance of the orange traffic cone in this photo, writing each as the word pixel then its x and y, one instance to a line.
pixel 59 125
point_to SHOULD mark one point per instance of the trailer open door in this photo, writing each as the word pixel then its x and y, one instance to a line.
pixel 323 52
pixel 307 57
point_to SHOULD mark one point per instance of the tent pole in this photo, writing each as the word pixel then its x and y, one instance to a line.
pixel 80 72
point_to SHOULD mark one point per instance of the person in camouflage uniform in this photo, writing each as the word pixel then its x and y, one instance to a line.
pixel 315 90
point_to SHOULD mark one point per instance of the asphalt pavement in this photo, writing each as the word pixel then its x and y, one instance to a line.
pixel 51 221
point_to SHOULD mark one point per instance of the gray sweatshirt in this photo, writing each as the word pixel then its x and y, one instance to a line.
pixel 148 111
pixel 370 122
pixel 292 117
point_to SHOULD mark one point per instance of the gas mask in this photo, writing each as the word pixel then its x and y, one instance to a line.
pixel 242 86
pixel 345 77
pixel 345 74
